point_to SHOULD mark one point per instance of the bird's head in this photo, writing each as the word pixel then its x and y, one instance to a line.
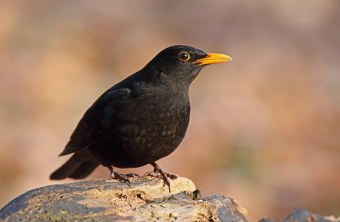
pixel 183 63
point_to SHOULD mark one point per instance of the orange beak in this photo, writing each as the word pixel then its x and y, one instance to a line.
pixel 212 58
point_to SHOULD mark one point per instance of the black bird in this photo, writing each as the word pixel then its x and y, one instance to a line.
pixel 140 119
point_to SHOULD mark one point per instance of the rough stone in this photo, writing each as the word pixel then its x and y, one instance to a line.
pixel 146 200
pixel 302 215
pixel 109 200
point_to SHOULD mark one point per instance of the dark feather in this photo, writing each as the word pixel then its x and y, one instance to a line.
pixel 95 121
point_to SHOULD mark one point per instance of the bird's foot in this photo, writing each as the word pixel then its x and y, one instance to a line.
pixel 160 171
pixel 120 177
pixel 164 175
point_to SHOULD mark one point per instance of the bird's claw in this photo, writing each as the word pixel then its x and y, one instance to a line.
pixel 164 175
pixel 171 176
pixel 121 178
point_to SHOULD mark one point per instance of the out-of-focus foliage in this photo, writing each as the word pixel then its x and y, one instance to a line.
pixel 265 128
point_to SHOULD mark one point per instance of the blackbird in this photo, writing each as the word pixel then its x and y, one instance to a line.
pixel 140 119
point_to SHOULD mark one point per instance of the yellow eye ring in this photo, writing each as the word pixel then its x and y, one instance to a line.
pixel 184 56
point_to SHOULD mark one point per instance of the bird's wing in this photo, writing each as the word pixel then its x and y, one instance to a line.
pixel 95 120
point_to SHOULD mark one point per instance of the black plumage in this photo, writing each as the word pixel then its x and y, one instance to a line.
pixel 139 120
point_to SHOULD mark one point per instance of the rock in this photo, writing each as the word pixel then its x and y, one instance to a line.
pixel 145 200
pixel 302 215
pixel 110 200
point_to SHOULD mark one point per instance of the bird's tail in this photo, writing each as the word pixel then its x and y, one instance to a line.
pixel 74 168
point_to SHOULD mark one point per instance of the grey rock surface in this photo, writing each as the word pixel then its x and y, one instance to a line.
pixel 110 200
pixel 302 215
pixel 146 200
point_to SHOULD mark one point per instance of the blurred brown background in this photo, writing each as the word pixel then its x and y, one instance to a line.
pixel 265 128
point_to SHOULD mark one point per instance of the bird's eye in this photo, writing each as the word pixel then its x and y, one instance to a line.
pixel 184 56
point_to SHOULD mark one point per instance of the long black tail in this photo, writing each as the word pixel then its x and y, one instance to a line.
pixel 74 168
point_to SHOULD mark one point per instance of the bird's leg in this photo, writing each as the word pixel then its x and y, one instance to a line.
pixel 164 175
pixel 118 176
pixel 157 169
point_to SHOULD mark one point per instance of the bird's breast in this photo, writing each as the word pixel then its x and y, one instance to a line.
pixel 166 116
pixel 156 127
